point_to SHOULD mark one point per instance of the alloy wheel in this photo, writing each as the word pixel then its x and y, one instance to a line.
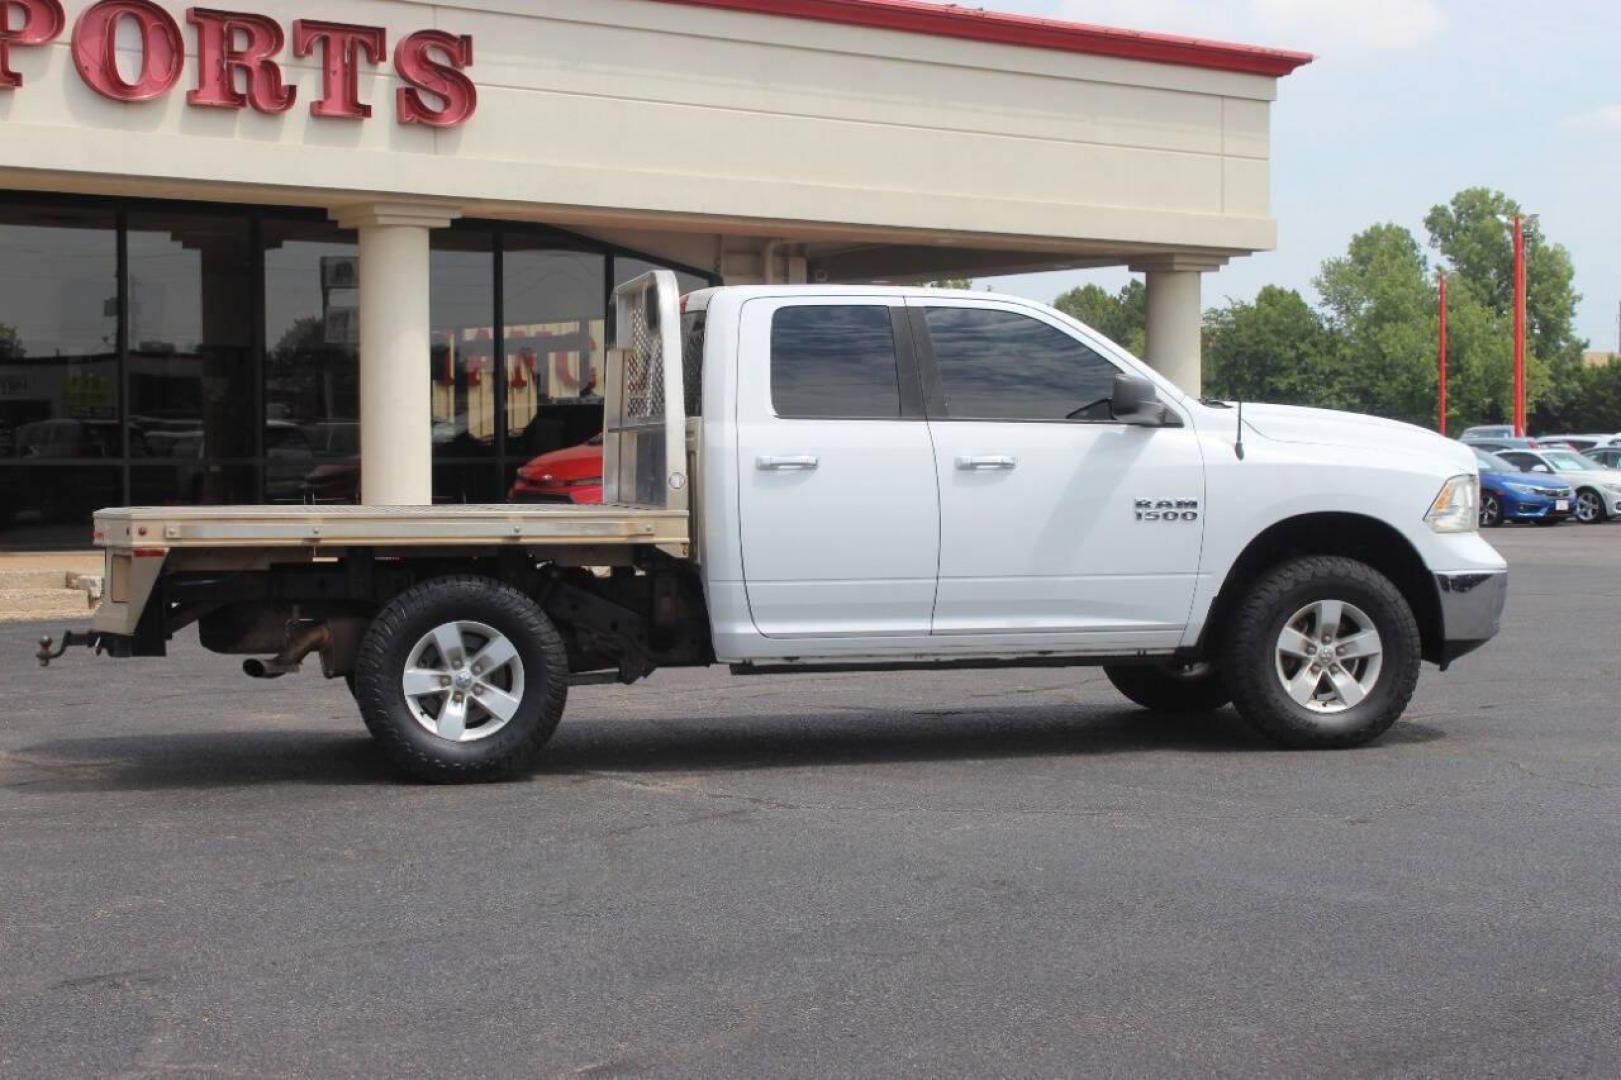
pixel 463 681
pixel 1329 656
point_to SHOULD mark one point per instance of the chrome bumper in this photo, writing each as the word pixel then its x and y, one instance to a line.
pixel 1471 610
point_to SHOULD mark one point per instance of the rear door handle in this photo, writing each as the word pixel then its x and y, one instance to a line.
pixel 779 464
pixel 991 461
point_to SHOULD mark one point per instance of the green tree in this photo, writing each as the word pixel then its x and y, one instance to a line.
pixel 1475 234
pixel 952 283
pixel 1381 305
pixel 11 346
pixel 1121 317
pixel 1480 359
pixel 1276 349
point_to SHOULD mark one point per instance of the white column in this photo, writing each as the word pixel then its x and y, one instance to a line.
pixel 396 404
pixel 1176 316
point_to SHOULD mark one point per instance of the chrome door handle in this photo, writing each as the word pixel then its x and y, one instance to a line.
pixel 778 464
pixel 993 461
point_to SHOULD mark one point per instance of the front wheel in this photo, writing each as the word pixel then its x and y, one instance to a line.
pixel 462 679
pixel 1192 688
pixel 1322 653
pixel 1491 510
pixel 1590 509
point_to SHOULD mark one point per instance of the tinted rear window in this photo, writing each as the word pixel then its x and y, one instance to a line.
pixel 834 362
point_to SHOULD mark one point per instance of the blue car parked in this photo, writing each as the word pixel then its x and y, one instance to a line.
pixel 1507 494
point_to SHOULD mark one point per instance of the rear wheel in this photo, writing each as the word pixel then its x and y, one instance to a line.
pixel 1322 653
pixel 1590 508
pixel 1491 510
pixel 462 679
pixel 1190 688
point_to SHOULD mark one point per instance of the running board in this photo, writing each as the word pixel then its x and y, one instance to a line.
pixel 984 664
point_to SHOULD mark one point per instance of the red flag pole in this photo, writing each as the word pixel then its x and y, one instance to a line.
pixel 1441 405
pixel 1519 327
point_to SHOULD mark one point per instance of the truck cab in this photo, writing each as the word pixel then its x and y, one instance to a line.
pixel 812 478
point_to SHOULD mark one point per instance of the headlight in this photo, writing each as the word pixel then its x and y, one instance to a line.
pixel 1523 489
pixel 1457 508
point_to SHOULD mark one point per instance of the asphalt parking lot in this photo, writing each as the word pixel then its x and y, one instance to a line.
pixel 962 874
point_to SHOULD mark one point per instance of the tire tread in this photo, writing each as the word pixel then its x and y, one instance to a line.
pixel 372 685
pixel 1247 655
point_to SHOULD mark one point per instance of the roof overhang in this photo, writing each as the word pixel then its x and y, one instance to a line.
pixel 974 24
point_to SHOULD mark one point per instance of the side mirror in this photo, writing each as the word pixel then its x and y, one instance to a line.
pixel 1136 401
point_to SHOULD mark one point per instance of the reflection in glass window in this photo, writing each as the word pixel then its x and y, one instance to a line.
pixel 59 382
pixel 312 363
pixel 191 378
pixel 49 506
pixel 555 310
pixel 834 361
pixel 462 360
pixel 1000 365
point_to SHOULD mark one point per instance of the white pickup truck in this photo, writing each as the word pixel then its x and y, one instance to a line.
pixel 830 478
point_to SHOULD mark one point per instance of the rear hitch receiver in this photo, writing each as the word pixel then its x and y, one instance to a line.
pixel 49 650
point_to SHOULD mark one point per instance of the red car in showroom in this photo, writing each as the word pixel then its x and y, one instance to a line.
pixel 570 475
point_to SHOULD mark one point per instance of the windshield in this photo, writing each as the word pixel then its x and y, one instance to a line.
pixel 1566 461
pixel 1492 463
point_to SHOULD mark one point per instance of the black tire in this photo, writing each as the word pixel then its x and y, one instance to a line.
pixel 1194 689
pixel 1254 673
pixel 1491 510
pixel 386 650
pixel 1590 508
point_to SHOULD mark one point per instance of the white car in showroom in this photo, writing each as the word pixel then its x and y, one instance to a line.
pixel 1598 489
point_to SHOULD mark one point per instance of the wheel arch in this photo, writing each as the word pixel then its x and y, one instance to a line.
pixel 1354 536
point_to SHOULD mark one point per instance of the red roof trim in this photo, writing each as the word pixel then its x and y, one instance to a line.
pixel 973 24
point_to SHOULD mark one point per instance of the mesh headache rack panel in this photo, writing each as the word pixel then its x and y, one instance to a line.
pixel 645 423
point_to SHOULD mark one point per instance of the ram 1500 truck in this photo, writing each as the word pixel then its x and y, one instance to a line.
pixel 830 478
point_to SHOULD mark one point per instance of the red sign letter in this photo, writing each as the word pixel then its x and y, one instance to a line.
pixel 414 62
pixel 341 45
pixel 95 49
pixel 42 23
pixel 228 42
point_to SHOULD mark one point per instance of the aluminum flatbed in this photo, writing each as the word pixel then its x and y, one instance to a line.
pixel 299 526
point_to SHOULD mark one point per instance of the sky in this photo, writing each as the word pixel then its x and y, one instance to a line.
pixel 1408 102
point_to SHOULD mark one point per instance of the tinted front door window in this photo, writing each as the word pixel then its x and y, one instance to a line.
pixel 1000 365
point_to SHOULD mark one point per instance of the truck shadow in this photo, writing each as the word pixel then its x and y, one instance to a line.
pixel 225 760
pixel 750 743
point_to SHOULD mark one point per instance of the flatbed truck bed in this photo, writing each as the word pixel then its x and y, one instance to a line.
pixel 185 527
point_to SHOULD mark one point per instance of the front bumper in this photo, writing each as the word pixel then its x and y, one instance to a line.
pixel 1537 507
pixel 1472 605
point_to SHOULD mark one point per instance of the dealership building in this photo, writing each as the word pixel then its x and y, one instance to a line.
pixel 364 249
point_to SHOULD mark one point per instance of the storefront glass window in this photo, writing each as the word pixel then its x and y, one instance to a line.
pixel 59 386
pixel 462 369
pixel 60 433
pixel 226 370
pixel 312 363
pixel 555 318
pixel 191 378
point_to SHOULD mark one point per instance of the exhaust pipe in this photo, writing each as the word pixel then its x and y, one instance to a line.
pixel 300 645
